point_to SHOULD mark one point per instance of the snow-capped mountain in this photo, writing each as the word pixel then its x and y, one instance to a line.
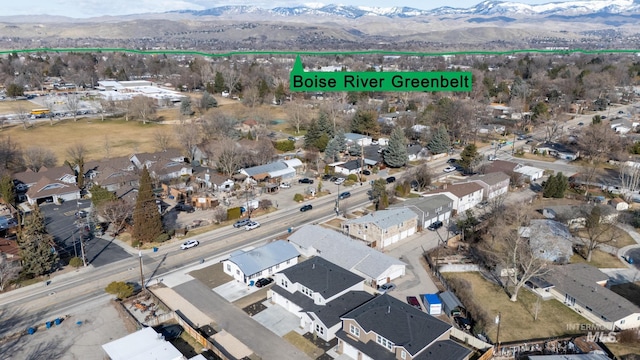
pixel 489 7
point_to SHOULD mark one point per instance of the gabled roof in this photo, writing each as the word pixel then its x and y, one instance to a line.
pixel 355 137
pixel 266 168
pixel 263 257
pixel 168 166
pixel 352 164
pixel 398 322
pixel 344 251
pixel 385 219
pixel 156 156
pixel 428 205
pixel 46 187
pixel 54 173
pixel 500 165
pixel 322 276
pixel 331 312
pixel 108 176
pixel 444 349
pixel 459 190
pixel 580 281
pixel 490 179
pixel 414 149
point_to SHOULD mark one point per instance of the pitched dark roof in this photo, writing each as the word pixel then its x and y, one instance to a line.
pixel 444 349
pixel 352 164
pixel 490 179
pixel 500 166
pixel 331 312
pixel 322 276
pixel 399 323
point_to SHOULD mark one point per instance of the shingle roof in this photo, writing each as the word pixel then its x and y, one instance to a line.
pixel 264 257
pixel 331 312
pixel 428 205
pixel 352 164
pixel 580 282
pixel 322 276
pixel 385 219
pixel 266 168
pixel 399 323
pixel 500 165
pixel 46 187
pixel 344 251
pixel 444 349
pixel 490 179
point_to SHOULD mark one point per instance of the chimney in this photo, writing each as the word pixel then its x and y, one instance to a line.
pixel 388 309
pixel 313 266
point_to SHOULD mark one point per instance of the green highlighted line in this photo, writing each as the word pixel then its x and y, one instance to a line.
pixel 322 53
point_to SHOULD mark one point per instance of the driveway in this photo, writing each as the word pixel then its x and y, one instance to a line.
pixel 235 290
pixel 278 319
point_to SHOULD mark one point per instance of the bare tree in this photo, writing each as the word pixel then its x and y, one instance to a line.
pixel 552 129
pixel 23 115
pixel 229 157
pixel 422 176
pixel 217 124
pixel 598 231
pixel 251 97
pixel 629 173
pixel 49 103
pixel 9 271
pixel 73 104
pixel 143 107
pixel 77 154
pixel 231 78
pixel 35 157
pixel 188 137
pixel 298 115
pixel 162 139
pixel 117 212
pixel 106 105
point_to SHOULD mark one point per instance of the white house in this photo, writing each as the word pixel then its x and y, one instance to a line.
pixel 142 344
pixel 383 228
pixel 349 167
pixel 318 292
pixel 464 195
pixel 377 268
pixel 362 140
pixel 493 184
pixel 263 261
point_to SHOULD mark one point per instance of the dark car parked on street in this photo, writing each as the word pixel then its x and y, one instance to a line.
pixel 306 208
pixel 305 181
pixel 241 223
pixel 344 195
pixel 186 208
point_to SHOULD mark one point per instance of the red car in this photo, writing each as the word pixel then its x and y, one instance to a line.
pixel 413 301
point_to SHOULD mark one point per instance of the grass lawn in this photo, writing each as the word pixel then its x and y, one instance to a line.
pixel 599 259
pixel 518 317
pixel 537 157
pixel 621 240
pixel 624 349
pixel 303 344
pixel 13 106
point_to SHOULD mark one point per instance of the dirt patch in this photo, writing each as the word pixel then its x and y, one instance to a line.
pixel 212 276
pixel 322 344
pixel 254 308
pixel 333 224
pixel 258 296
pixel 303 344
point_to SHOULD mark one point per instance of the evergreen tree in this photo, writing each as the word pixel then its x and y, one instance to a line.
pixel 207 101
pixel 550 187
pixel 440 142
pixel 280 94
pixel 219 85
pixel 319 133
pixel 562 185
pixel 147 223
pixel 7 190
pixel 379 193
pixel 36 246
pixel 263 89
pixel 324 125
pixel 469 157
pixel 396 153
pixel 364 122
pixel 332 150
pixel 100 195
pixel 341 141
pixel 185 106
pixel 355 150
pixel 312 135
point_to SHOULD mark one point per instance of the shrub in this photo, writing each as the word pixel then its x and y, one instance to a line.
pixel 162 237
pixel 136 243
pixel 120 289
pixel 285 145
pixel 76 262
pixel 298 197
pixel 349 183
pixel 265 204
pixel 353 177
pixel 234 213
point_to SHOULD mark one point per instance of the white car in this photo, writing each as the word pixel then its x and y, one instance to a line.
pixel 285 185
pixel 252 225
pixel 339 181
pixel 449 169
pixel 189 244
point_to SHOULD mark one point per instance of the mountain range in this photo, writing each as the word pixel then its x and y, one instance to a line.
pixel 486 8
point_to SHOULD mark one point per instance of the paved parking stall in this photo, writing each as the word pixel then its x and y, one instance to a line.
pixel 278 319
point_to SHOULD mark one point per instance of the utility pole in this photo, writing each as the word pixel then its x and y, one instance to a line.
pixel 75 249
pixel 84 258
pixel 498 321
pixel 141 274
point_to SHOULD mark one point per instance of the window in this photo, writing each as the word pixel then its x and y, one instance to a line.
pixel 403 354
pixel 277 266
pixel 621 322
pixel 284 283
pixel 354 330
pixel 237 272
pixel 288 261
pixel 306 291
pixel 384 342
pixel 319 329
pixel 228 267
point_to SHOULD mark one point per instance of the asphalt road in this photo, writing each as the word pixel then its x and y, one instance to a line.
pixel 62 224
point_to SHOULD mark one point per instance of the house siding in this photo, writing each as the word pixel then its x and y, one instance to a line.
pixel 382 237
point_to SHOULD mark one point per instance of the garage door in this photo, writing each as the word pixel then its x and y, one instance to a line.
pixel 404 234
pixel 391 240
pixel 412 231
pixel 350 351
pixel 395 272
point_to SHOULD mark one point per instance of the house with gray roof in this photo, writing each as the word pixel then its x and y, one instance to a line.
pixel 464 195
pixel 263 261
pixel 583 288
pixel 362 140
pixel 377 268
pixel 382 228
pixel 318 292
pixel 575 216
pixel 550 240
pixel 49 184
pixel 386 328
pixel 494 184
pixel 278 170
pixel 429 209
pixel 350 167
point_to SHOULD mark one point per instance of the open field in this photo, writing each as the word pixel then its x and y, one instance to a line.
pixel 13 106
pixel 518 317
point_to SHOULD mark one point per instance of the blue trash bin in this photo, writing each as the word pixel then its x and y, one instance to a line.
pixel 48 324
pixel 289 230
pixel 57 321
pixel 31 331
pixel 251 283
pixel 155 249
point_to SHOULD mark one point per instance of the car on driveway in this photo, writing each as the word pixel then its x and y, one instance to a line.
pixel 365 172
pixel 252 225
pixel 449 169
pixel 263 282
pixel 413 301
pixel 241 223
pixel 482 204
pixel 186 208
pixel 339 181
pixel 285 185
pixel 305 181
pixel 435 225
pixel 580 123
pixel 306 208
pixel 189 244
pixel 391 179
pixel 385 288
pixel 452 161
pixel 326 177
pixel 344 195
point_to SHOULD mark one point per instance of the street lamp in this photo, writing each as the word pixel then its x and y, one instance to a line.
pixel 141 274
pixel 338 201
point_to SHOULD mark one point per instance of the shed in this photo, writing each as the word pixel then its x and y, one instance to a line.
pixel 432 303
pixel 619 204
pixel 450 302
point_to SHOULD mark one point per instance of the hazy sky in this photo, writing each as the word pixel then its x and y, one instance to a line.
pixel 91 8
